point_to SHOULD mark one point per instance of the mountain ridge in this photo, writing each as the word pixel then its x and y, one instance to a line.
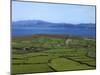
pixel 33 23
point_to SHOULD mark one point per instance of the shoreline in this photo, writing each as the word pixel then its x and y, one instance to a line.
pixel 51 36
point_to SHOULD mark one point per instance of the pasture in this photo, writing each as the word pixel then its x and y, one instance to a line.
pixel 52 54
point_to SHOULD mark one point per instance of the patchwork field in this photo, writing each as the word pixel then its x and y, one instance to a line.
pixel 51 53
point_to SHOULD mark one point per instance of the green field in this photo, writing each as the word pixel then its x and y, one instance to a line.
pixel 52 54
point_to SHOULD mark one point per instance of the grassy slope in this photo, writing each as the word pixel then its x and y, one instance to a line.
pixel 53 54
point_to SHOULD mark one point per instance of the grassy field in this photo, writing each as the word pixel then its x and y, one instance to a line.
pixel 47 53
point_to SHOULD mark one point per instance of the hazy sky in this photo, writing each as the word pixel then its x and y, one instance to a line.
pixel 53 12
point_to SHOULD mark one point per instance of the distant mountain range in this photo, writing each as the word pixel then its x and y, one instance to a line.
pixel 30 27
pixel 40 23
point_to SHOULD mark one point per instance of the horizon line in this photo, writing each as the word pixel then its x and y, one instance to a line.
pixel 51 22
